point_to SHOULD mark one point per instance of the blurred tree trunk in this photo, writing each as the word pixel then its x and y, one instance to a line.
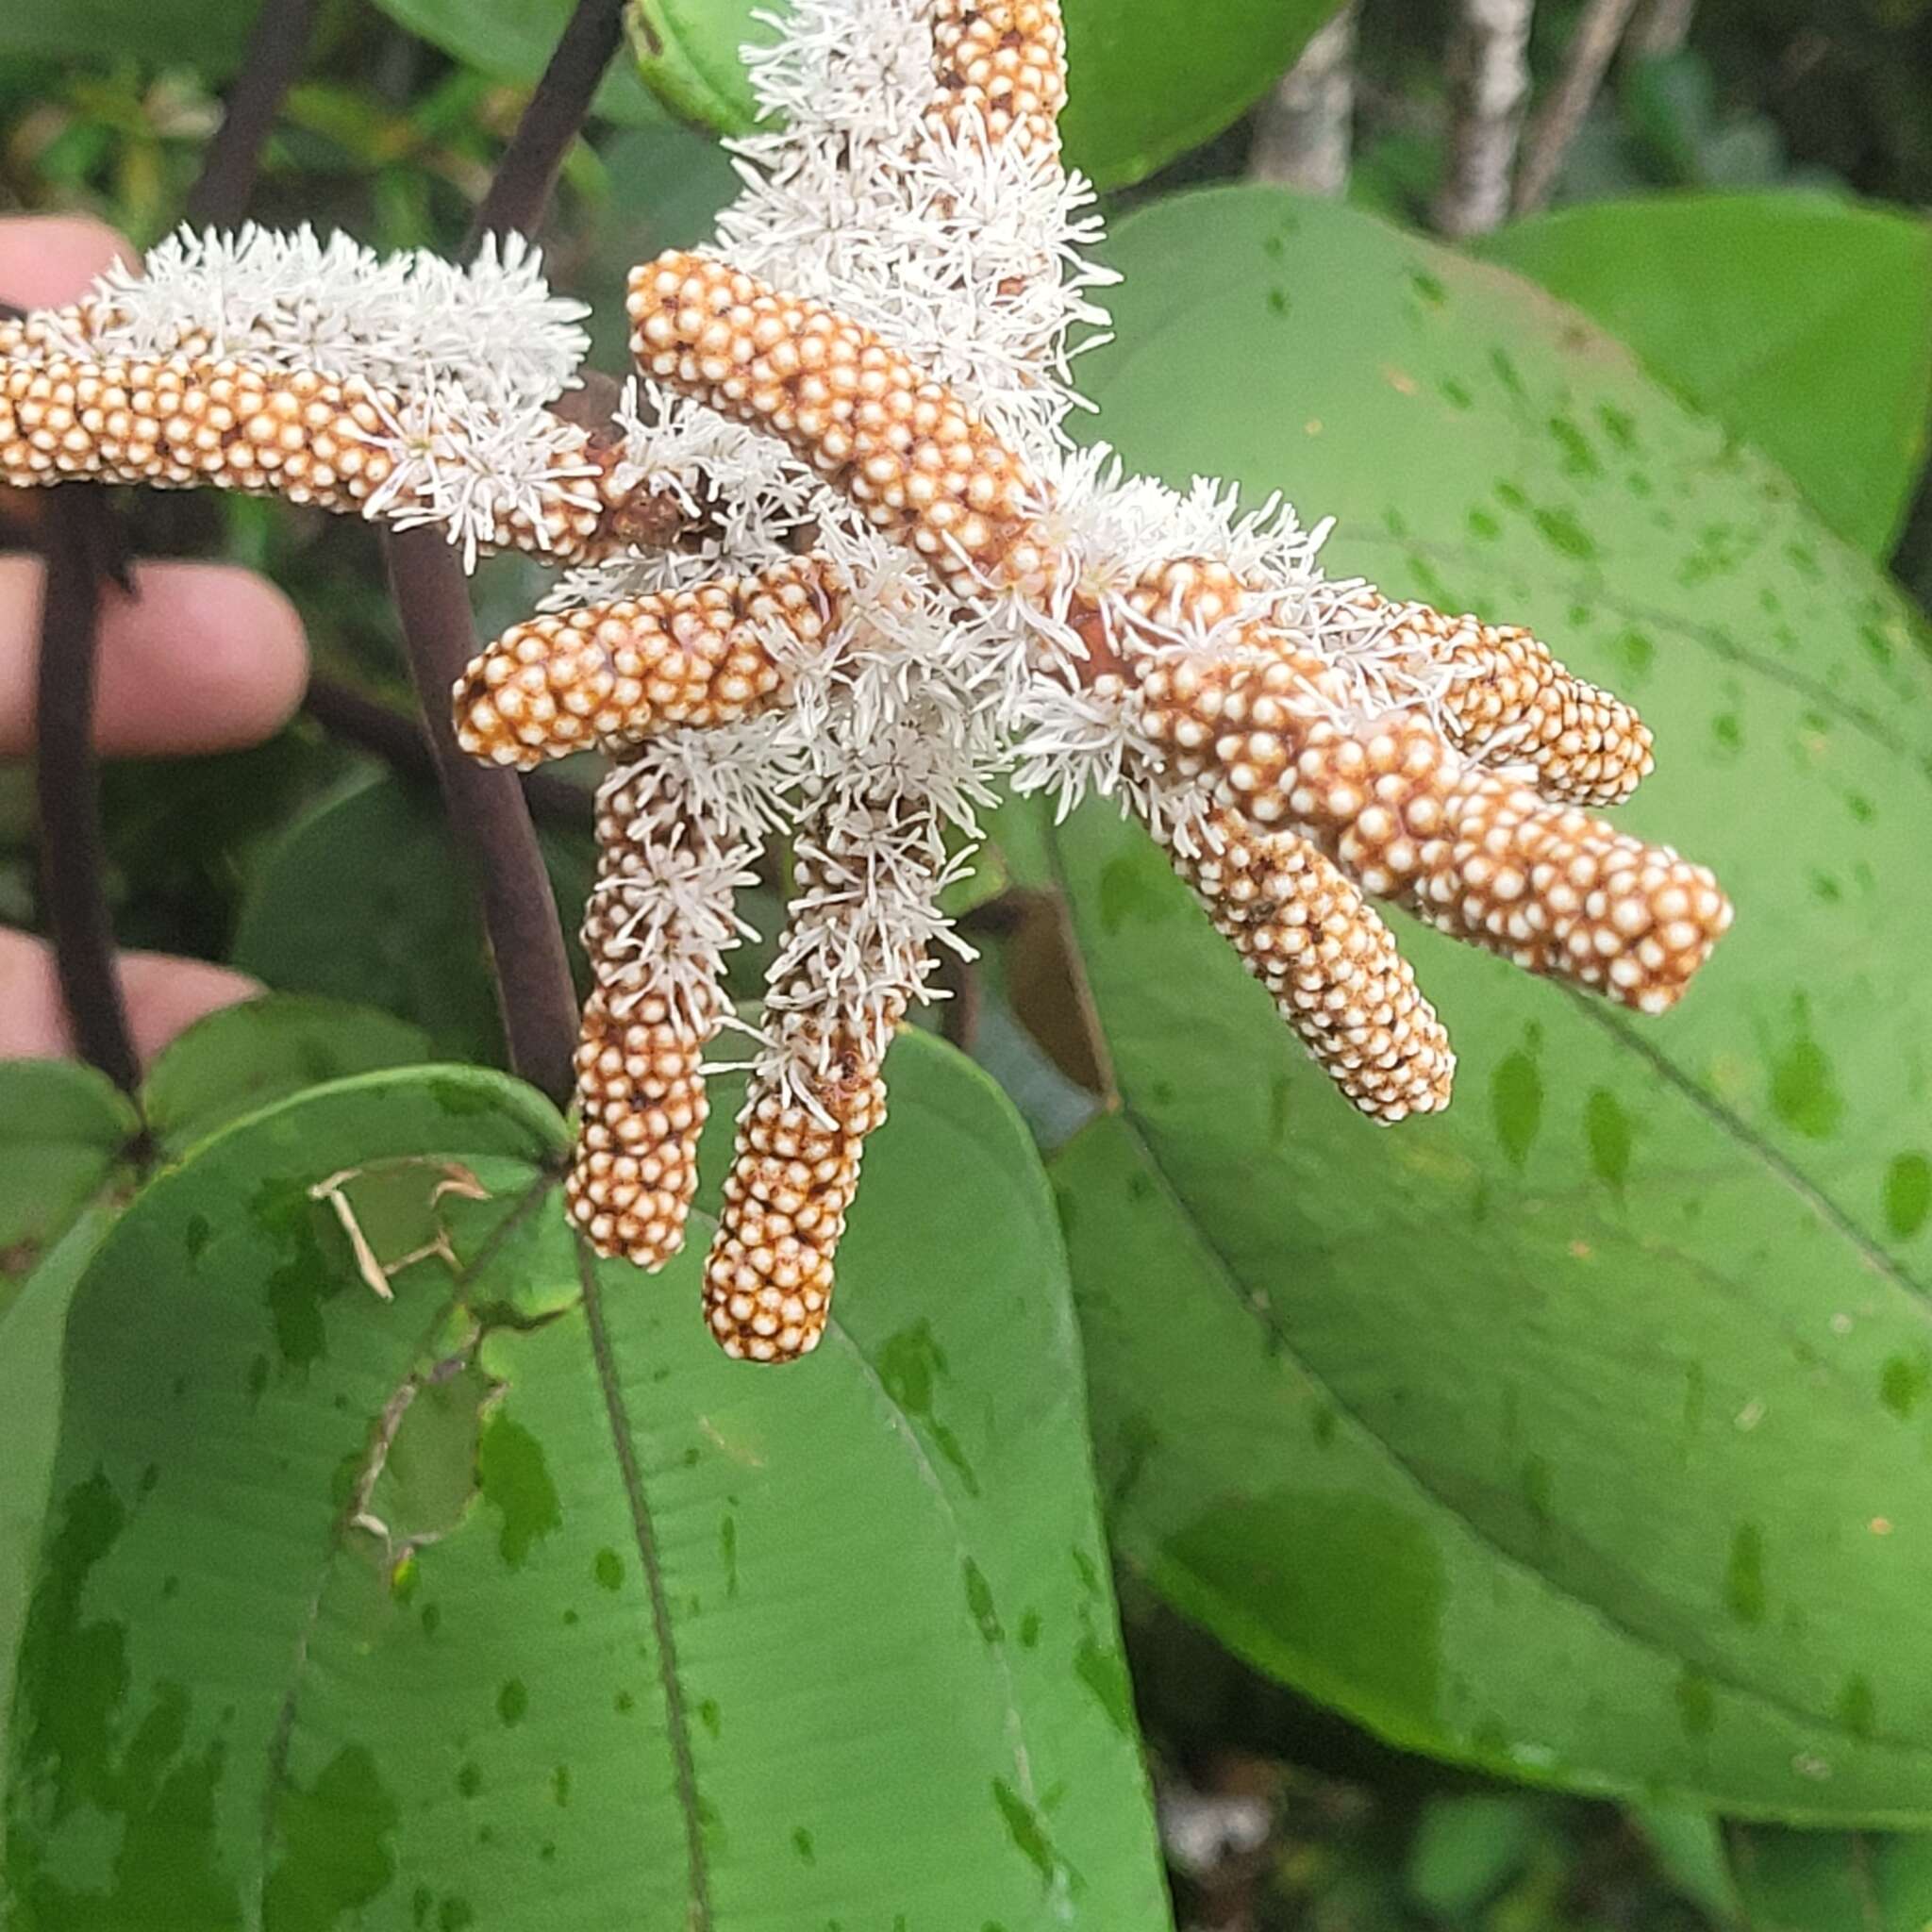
pixel 1303 135
pixel 1489 81
pixel 1662 27
pixel 1591 48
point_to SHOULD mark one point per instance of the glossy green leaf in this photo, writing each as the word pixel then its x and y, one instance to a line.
pixel 1150 78
pixel 1689 1846
pixel 509 1602
pixel 513 40
pixel 64 1131
pixel 1577 1433
pixel 1825 1881
pixel 244 1058
pixel 1802 324
pixel 31 1326
pixel 365 900
pixel 158 30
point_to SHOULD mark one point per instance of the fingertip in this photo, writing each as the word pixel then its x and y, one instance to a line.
pixel 48 259
pixel 165 996
pixel 202 658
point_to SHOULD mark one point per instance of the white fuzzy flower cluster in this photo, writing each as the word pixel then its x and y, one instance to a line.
pixel 291 301
pixel 457 365
pixel 971 255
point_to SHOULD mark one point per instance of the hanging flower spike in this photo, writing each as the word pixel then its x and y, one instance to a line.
pixel 656 931
pixel 609 676
pixel 1484 860
pixel 854 954
pixel 1329 963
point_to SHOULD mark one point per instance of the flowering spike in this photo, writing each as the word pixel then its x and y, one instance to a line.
pixel 1509 702
pixel 1549 887
pixel 608 675
pixel 1305 931
pixel 498 477
pixel 656 931
pixel 915 459
pixel 1000 72
pixel 855 953
pixel 768 1283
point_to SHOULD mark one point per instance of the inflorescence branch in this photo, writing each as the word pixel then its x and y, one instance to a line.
pixel 837 566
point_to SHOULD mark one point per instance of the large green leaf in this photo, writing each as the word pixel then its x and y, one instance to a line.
pixel 1150 78
pixel 1803 323
pixel 1580 1432
pixel 212 35
pixel 30 1329
pixel 64 1136
pixel 246 1057
pixel 513 40
pixel 508 1600
pixel 365 900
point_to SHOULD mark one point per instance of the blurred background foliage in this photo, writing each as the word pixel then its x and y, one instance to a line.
pixel 1275 1813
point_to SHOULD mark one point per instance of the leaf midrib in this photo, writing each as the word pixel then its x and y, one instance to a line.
pixel 676 1716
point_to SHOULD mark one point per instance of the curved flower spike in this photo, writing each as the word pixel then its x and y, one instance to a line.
pixel 1487 862
pixel 918 462
pixel 523 479
pixel 656 931
pixel 1305 931
pixel 608 675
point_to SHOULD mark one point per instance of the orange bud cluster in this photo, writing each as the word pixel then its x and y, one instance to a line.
pixel 768 1283
pixel 640 1097
pixel 1508 701
pixel 908 452
pixel 655 1003
pixel 607 675
pixel 182 422
pixel 1304 929
pixel 1000 65
pixel 1546 887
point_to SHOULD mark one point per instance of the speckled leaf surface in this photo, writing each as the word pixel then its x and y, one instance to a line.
pixel 509 1602
pixel 1582 1432
pixel 67 1162
pixel 364 899
pixel 1150 78
pixel 1802 323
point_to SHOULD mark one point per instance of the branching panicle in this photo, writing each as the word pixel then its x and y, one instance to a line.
pixel 836 569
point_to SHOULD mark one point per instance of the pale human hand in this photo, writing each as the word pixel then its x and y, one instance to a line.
pixel 203 658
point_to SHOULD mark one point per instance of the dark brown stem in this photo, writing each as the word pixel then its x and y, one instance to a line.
pixel 67 788
pixel 488 817
pixel 521 189
pixel 272 59
pixel 486 807
pixel 400 742
pixel 84 551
